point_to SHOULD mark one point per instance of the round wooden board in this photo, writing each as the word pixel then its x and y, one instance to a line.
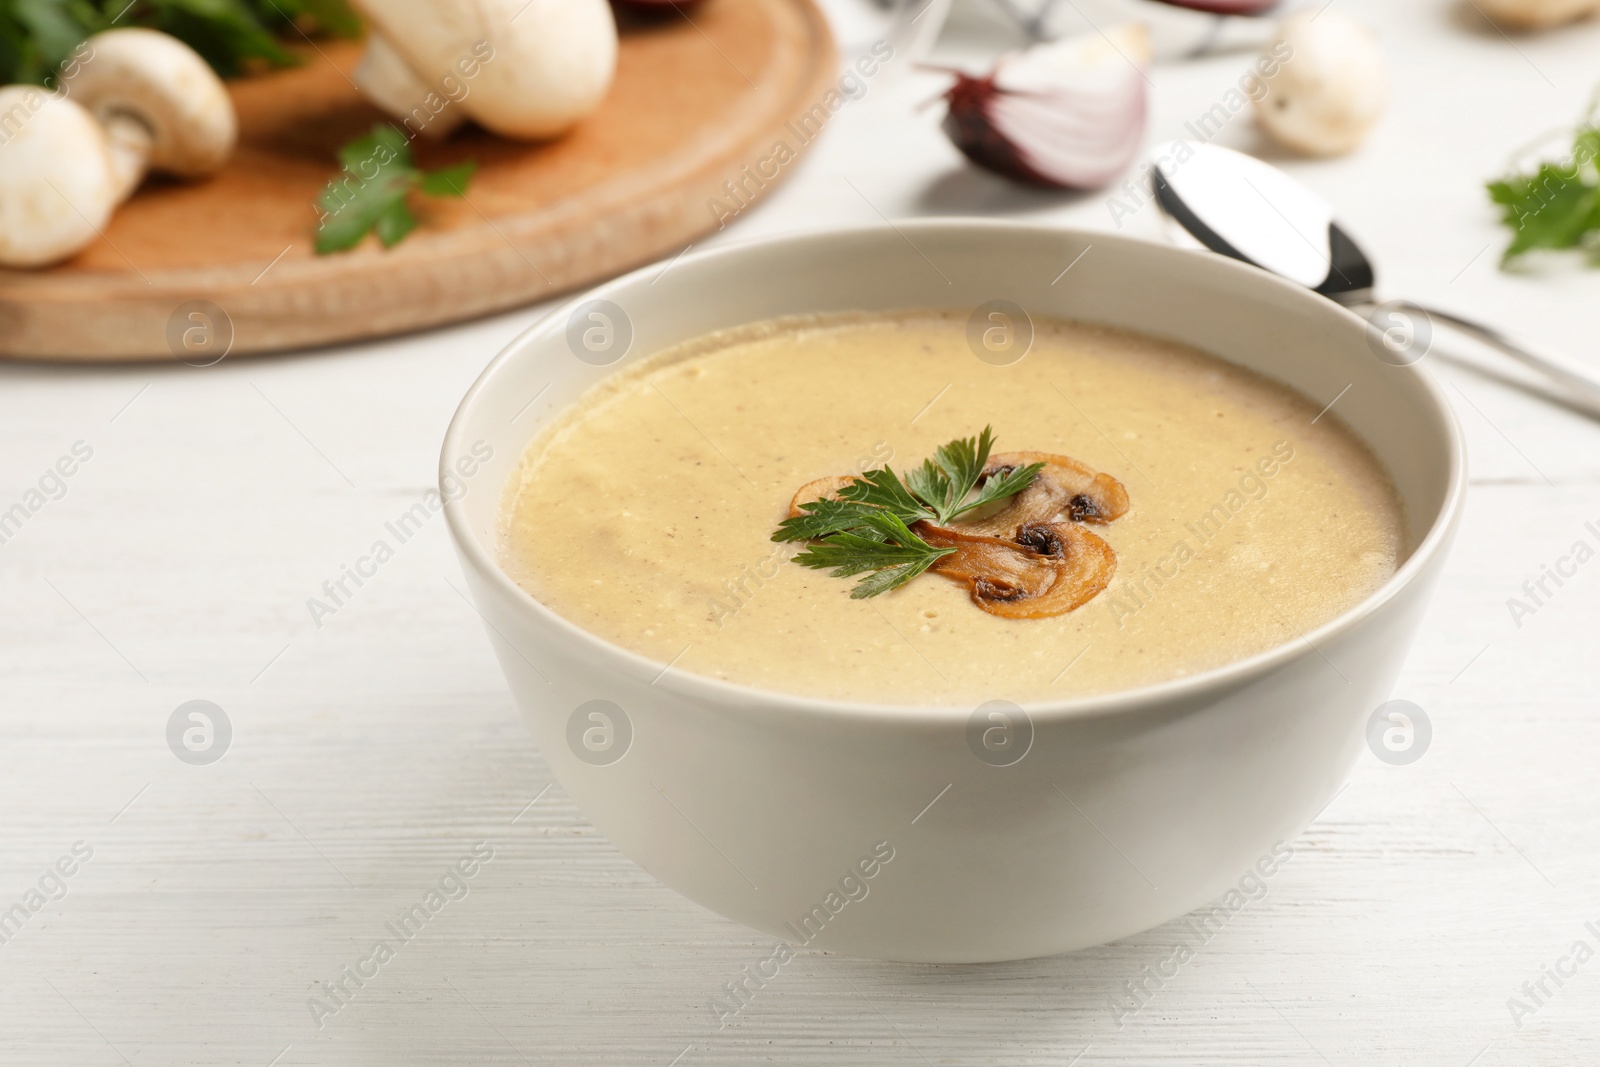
pixel 692 105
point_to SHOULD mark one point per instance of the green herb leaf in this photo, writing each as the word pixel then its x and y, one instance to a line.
pixel 394 222
pixel 1009 484
pixel 1558 205
pixel 382 147
pixel 962 462
pixel 1552 208
pixel 945 482
pixel 892 578
pixel 36 36
pixel 56 27
pixel 883 488
pixel 848 553
pixel 226 33
pixel 370 194
pixel 868 526
pixel 824 517
pixel 334 17
pixel 448 181
pixel 885 545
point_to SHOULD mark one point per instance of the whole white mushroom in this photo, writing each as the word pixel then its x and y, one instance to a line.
pixel 1329 87
pixel 524 69
pixel 136 101
pixel 57 186
pixel 162 106
pixel 1536 14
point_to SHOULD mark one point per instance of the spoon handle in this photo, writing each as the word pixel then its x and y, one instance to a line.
pixel 1581 381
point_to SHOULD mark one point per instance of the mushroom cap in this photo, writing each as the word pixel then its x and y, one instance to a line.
pixel 551 61
pixel 164 85
pixel 1324 97
pixel 57 189
pixel 1537 14
pixel 386 79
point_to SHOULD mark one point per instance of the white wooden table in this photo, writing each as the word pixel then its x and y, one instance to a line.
pixel 371 752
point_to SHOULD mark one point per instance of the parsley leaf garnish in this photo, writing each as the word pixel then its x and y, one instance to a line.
pixel 824 517
pixel 369 194
pixel 945 482
pixel 1558 205
pixel 1007 485
pixel 884 489
pixel 868 526
pixel 883 544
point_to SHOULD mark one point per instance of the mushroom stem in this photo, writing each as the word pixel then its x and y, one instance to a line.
pixel 389 82
pixel 128 146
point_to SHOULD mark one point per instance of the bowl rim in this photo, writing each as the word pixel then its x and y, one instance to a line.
pixel 1171 693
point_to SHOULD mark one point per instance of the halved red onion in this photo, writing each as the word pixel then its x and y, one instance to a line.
pixel 1069 114
pixel 654 8
pixel 1225 7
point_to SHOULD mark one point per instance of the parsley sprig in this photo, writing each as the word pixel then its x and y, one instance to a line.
pixel 36 36
pixel 881 543
pixel 868 526
pixel 370 193
pixel 1558 205
pixel 946 481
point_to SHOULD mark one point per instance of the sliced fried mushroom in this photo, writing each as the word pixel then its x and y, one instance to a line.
pixel 1046 569
pixel 1088 565
pixel 1064 489
pixel 995 570
pixel 1032 558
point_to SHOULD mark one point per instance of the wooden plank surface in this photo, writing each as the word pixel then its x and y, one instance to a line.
pixel 370 752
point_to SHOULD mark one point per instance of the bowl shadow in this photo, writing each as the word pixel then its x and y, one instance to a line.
pixel 969 190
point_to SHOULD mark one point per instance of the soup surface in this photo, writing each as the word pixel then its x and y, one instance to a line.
pixel 644 512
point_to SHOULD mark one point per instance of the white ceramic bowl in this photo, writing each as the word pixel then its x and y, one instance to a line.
pixel 1129 809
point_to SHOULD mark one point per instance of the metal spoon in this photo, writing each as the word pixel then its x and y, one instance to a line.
pixel 1238 206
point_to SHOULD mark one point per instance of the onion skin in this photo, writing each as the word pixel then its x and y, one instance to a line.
pixel 1225 7
pixel 969 127
pixel 650 10
pixel 1065 115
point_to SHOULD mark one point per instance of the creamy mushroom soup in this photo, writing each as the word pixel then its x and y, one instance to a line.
pixel 645 512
